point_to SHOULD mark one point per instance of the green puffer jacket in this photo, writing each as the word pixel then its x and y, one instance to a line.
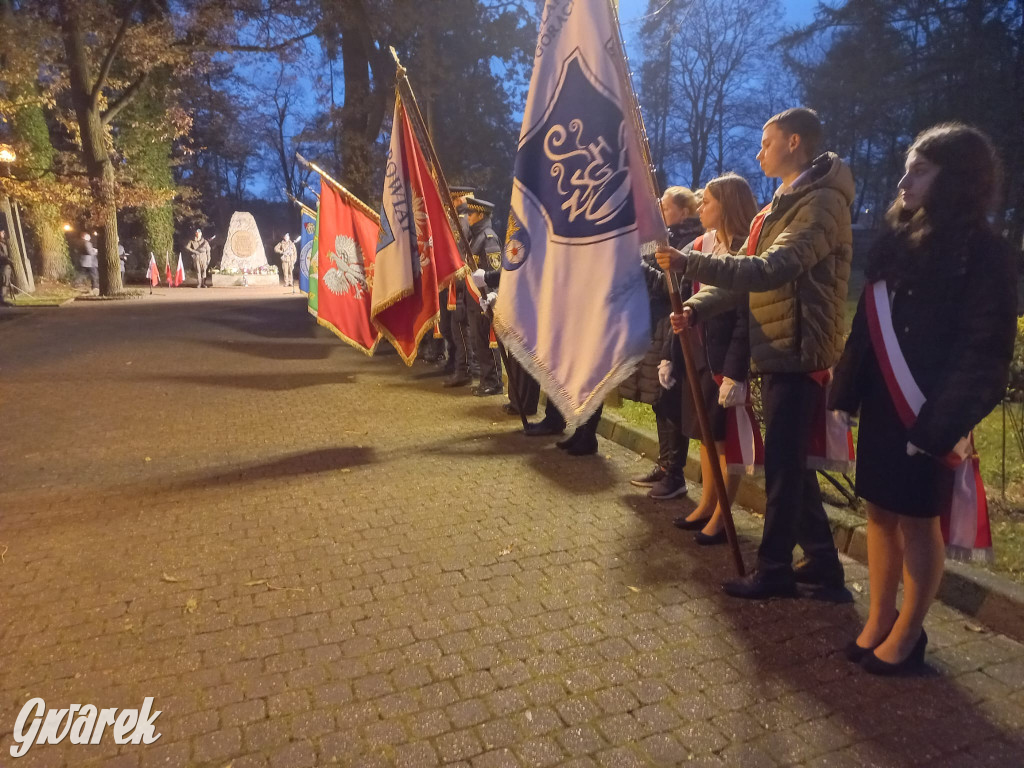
pixel 798 280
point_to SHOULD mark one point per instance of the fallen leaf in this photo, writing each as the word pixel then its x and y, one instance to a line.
pixel 857 587
pixel 148 459
pixel 169 579
pixel 975 628
pixel 529 717
pixel 255 583
pixel 191 605
pixel 506 551
pixel 632 589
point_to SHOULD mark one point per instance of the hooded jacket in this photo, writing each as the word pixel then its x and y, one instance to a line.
pixel 798 280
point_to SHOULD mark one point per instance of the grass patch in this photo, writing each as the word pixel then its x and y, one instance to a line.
pixel 47 294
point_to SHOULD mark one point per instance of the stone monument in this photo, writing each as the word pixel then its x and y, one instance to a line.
pixel 244 261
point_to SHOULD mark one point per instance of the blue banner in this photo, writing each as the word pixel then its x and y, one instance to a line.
pixel 306 250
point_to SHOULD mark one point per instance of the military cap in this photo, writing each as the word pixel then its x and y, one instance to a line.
pixel 459 190
pixel 475 205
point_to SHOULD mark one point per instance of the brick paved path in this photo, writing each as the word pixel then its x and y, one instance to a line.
pixel 309 557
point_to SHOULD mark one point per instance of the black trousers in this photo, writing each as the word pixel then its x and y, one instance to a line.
pixel 454 329
pixel 673 445
pixel 480 333
pixel 794 513
pixel 523 389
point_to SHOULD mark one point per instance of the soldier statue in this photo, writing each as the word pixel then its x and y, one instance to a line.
pixel 199 247
pixel 288 255
pixel 486 247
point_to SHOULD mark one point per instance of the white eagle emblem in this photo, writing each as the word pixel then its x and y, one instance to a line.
pixel 347 273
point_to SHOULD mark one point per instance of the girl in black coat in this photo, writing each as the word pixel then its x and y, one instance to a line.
pixel 951 286
pixel 723 348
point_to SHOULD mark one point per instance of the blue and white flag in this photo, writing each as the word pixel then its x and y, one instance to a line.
pixel 308 231
pixel 573 305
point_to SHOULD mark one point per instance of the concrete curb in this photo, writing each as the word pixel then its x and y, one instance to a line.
pixel 991 599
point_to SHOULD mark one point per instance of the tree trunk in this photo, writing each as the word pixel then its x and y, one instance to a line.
pixel 94 148
pixel 356 161
pixel 20 276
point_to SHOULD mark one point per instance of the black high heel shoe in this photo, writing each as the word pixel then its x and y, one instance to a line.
pixel 690 525
pixel 706 540
pixel 856 653
pixel 909 666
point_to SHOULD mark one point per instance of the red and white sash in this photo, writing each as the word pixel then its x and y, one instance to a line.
pixel 965 524
pixel 744 447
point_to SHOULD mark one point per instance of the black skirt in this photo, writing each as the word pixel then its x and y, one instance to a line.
pixel 914 486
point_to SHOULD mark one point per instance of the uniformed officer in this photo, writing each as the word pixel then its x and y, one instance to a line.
pixel 455 322
pixel 485 246
pixel 199 247
pixel 288 256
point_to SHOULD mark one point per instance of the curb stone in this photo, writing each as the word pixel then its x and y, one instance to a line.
pixel 996 602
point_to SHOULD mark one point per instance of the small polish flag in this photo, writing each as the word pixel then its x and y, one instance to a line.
pixel 179 276
pixel 153 273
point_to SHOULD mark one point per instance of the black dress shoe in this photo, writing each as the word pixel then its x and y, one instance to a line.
pixel 690 525
pixel 820 572
pixel 543 428
pixel 909 666
pixel 510 409
pixel 856 653
pixel 761 586
pixel 457 380
pixel 567 443
pixel 709 541
pixel 487 391
pixel 582 448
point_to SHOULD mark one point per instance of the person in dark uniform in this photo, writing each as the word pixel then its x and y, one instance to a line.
pixel 445 351
pixel 486 248
pixel 455 322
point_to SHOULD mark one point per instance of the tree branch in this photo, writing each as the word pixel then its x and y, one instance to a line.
pixel 122 100
pixel 108 59
pixel 250 48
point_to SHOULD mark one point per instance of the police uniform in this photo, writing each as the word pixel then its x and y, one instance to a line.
pixel 199 247
pixel 486 248
pixel 454 323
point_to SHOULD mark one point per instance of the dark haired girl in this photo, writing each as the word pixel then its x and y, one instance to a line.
pixel 927 359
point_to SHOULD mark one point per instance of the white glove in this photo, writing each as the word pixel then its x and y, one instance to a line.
pixel 732 393
pixel 665 377
pixel 478 278
pixel 487 300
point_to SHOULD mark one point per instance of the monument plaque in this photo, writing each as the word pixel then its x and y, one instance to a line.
pixel 243 248
pixel 244 261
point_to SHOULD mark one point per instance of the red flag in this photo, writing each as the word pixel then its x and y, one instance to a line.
pixel 345 259
pixel 416 250
pixel 179 276
pixel 168 266
pixel 153 272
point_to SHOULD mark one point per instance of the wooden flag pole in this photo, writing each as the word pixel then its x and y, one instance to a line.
pixel 352 199
pixel 707 436
pixel 305 208
pixel 444 192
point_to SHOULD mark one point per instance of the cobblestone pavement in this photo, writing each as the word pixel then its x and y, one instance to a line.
pixel 310 557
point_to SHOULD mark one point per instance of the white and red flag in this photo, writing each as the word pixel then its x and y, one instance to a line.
pixel 153 272
pixel 179 275
pixel 416 251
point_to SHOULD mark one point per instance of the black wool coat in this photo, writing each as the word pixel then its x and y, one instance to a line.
pixel 954 311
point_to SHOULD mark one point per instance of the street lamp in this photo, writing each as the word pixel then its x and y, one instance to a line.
pixel 7 154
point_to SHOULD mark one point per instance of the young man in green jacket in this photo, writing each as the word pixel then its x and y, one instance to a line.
pixel 794 270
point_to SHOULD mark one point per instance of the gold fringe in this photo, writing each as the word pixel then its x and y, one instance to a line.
pixel 352 342
pixel 391 301
pixel 574 415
